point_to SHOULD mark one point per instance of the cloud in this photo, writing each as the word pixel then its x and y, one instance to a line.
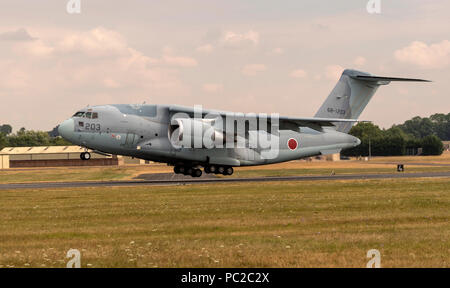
pixel 359 61
pixel 35 48
pixel 278 51
pixel 101 43
pixel 180 61
pixel 90 67
pixel 15 79
pixel 320 26
pixel 418 53
pixel 299 73
pixel 233 39
pixel 19 35
pixel 253 69
pixel 170 58
pixel 207 48
pixel 212 87
pixel 111 83
pixel 333 72
pixel 98 42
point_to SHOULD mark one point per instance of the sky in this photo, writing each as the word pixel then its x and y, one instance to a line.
pixel 244 56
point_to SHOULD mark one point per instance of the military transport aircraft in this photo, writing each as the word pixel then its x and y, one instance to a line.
pixel 190 138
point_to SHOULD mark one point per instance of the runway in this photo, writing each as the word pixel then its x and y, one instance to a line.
pixel 212 180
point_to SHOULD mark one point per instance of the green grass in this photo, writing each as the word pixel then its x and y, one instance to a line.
pixel 289 224
pixel 66 174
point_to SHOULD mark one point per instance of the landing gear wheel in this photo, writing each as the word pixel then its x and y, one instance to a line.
pixel 207 170
pixel 181 169
pixel 221 170
pixel 196 173
pixel 176 169
pixel 85 156
pixel 229 171
pixel 212 169
pixel 187 171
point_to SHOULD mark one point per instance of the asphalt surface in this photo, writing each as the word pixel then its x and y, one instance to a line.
pixel 413 164
pixel 206 180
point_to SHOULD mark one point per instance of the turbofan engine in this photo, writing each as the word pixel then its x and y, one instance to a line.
pixel 195 133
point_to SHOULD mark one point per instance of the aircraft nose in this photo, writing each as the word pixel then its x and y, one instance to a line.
pixel 357 141
pixel 66 128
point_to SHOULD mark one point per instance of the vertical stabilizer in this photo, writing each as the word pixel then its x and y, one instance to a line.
pixel 351 95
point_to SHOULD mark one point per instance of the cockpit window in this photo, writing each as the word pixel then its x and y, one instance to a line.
pixel 89 115
pixel 78 114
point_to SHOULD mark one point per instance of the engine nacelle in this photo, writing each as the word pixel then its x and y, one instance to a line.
pixel 194 133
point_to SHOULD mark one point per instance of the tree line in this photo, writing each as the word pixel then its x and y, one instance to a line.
pixel 24 138
pixel 437 124
pixel 392 142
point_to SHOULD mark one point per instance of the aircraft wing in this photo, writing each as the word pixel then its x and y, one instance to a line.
pixel 285 123
pixel 289 123
pixel 317 121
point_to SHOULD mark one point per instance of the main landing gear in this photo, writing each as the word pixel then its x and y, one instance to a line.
pixel 85 156
pixel 224 170
pixel 196 172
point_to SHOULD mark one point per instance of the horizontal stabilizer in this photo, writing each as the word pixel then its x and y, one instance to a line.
pixel 389 79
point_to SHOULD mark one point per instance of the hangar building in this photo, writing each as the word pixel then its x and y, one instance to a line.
pixel 51 156
pixel 4 161
pixel 56 156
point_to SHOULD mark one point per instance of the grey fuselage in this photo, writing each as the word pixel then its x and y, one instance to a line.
pixel 142 131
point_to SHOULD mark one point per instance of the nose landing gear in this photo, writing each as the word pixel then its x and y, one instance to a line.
pixel 85 156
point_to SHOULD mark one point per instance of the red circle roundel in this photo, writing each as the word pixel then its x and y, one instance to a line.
pixel 292 144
